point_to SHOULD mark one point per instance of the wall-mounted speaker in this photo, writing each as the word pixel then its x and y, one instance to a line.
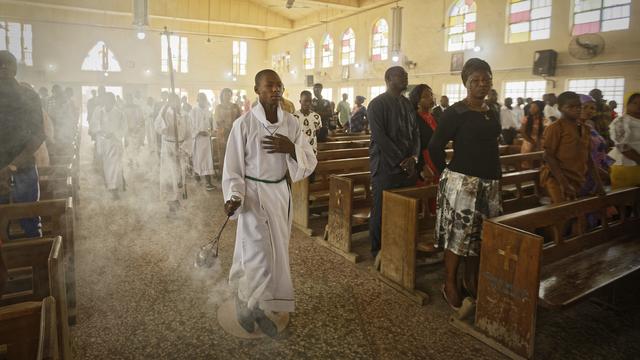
pixel 310 80
pixel 544 62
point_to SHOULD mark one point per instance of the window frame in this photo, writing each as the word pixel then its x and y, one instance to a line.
pixel 326 56
pixel 461 92
pixel 25 55
pixel 619 98
pixel 529 21
pixel 448 33
pixel 382 44
pixel 601 19
pixel 180 59
pixel 527 91
pixel 239 57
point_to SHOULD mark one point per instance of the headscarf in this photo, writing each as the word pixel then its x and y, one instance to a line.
pixel 472 65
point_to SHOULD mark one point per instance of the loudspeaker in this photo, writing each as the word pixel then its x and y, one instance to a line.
pixel 310 80
pixel 544 62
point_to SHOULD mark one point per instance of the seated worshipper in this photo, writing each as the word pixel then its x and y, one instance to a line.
pixel 567 153
pixel 263 145
pixel 344 111
pixel 598 148
pixel 509 121
pixel 110 126
pixel 201 130
pixel 21 135
pixel 421 98
pixel 625 132
pixel 395 146
pixel 173 156
pixel 309 121
pixel 469 188
pixel 531 130
pixel 358 122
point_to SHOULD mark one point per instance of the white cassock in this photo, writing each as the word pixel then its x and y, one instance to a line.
pixel 170 173
pixel 149 130
pixel 110 128
pixel 201 121
pixel 260 269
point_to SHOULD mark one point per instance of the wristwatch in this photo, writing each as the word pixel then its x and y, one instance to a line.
pixel 415 158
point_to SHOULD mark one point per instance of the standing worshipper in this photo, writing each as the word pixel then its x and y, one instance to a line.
pixel 531 130
pixel 110 126
pixel 567 152
pixel 201 130
pixel 149 130
pixel 43 92
pixel 599 148
pixel 308 121
pixel 358 122
pixel 172 161
pixel 246 104
pixel 492 101
pixel 518 110
pixel 438 110
pixel 263 145
pixel 613 105
pixel 186 107
pixel 224 116
pixel 68 92
pixel 625 132
pixel 395 146
pixel 509 122
pixel 602 119
pixel 469 188
pixel 136 126
pixel 551 112
pixel 344 110
pixel 421 98
pixel 323 108
pixel 21 135
pixel 63 116
pixel 92 103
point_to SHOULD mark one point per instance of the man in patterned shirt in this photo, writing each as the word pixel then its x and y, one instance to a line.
pixel 309 121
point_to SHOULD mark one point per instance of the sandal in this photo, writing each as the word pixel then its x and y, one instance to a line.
pixel 444 296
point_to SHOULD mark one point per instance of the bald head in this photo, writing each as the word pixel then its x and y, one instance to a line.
pixel 261 74
pixel 8 65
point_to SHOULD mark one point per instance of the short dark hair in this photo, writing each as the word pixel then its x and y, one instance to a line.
pixel 318 85
pixel 263 73
pixel 472 65
pixel 633 97
pixel 567 96
pixel 8 56
pixel 416 94
pixel 390 71
pixel 305 93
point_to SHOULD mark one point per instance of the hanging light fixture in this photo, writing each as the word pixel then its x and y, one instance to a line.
pixel 396 33
pixel 141 17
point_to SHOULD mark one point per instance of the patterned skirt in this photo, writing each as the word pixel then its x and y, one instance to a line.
pixel 463 203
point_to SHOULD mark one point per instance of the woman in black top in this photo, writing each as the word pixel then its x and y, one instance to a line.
pixel 469 188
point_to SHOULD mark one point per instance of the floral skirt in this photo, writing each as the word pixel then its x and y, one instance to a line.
pixel 463 203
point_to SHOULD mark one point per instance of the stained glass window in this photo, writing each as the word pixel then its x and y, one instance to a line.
pixel 309 54
pixel 529 20
pixel 380 41
pixel 592 16
pixel 348 47
pixel 462 26
pixel 327 51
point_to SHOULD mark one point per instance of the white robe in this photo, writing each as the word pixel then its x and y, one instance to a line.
pixel 149 130
pixel 170 173
pixel 110 128
pixel 202 121
pixel 260 269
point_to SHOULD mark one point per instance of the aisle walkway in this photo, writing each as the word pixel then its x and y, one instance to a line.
pixel 140 297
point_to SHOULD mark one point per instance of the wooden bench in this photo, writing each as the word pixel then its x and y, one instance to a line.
pixel 36 270
pixel 511 163
pixel 349 211
pixel 347 137
pixel 348 144
pixel 28 330
pixel 307 195
pixel 408 228
pixel 58 220
pixel 342 153
pixel 520 269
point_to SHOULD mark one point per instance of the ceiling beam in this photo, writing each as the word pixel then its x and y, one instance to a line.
pixel 336 4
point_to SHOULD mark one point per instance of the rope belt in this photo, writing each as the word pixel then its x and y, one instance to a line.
pixel 266 181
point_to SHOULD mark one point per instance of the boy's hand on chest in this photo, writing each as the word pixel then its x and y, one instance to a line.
pixel 278 143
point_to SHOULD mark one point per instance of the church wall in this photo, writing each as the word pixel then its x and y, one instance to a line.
pixel 423 42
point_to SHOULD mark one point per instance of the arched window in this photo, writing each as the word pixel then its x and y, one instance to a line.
pixel 101 58
pixel 309 54
pixel 462 26
pixel 348 47
pixel 327 51
pixel 380 41
pixel 591 16
pixel 529 20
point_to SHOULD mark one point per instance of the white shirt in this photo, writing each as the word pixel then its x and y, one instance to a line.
pixel 508 118
pixel 625 132
pixel 309 125
pixel 552 111
pixel 201 120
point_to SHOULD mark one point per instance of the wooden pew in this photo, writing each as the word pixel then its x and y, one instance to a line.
pixel 347 137
pixel 408 228
pixel 349 212
pixel 38 263
pixel 520 269
pixel 333 145
pixel 342 153
pixel 307 195
pixel 513 162
pixel 58 220
pixel 29 331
